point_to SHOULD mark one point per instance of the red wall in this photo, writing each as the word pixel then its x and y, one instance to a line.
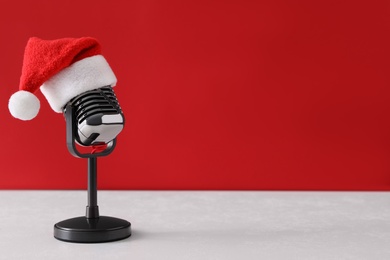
pixel 264 95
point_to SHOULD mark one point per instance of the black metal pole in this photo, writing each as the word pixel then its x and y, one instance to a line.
pixel 92 208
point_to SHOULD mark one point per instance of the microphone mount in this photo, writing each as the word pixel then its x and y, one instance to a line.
pixel 91 228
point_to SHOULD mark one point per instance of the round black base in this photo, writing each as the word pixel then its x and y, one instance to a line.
pixel 96 230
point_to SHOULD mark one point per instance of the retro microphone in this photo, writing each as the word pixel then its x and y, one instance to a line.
pixel 93 119
pixel 77 81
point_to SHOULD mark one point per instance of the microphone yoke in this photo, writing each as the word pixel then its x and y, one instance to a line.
pixel 98 116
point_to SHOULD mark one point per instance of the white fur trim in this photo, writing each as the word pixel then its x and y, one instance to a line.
pixel 86 74
pixel 23 105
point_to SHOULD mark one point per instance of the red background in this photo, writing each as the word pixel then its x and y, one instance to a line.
pixel 263 95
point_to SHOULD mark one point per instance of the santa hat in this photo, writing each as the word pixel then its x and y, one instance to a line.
pixel 62 69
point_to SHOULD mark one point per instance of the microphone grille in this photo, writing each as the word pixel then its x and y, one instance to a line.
pixel 98 101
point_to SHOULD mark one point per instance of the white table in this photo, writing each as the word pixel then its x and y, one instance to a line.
pixel 203 225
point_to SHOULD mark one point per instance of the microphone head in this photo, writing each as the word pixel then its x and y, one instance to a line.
pixel 98 116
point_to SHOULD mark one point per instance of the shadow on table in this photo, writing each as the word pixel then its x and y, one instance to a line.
pixel 263 234
pixel 229 234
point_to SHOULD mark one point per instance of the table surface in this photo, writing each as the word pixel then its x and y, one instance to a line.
pixel 203 225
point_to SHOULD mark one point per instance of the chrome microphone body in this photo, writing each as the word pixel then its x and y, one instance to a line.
pixel 98 116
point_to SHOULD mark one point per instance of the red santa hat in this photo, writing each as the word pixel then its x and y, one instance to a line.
pixel 62 69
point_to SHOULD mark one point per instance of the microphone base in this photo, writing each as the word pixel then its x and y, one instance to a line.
pixel 93 230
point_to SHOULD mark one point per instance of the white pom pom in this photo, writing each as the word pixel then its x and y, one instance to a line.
pixel 23 105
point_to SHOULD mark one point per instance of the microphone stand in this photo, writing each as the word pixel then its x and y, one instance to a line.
pixel 92 228
pixel 92 207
